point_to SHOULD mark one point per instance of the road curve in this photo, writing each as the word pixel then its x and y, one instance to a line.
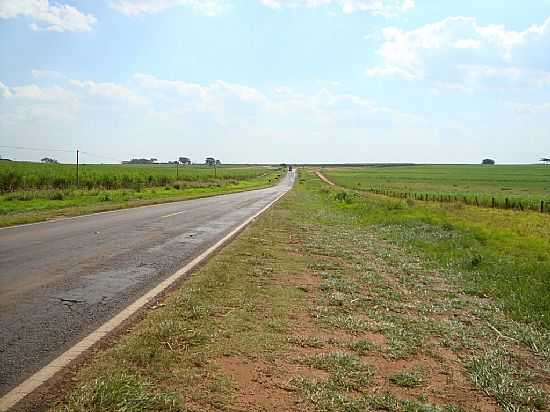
pixel 60 280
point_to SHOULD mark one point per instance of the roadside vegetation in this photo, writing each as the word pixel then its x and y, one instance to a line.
pixel 521 187
pixel 500 253
pixel 339 301
pixel 21 176
pixel 31 192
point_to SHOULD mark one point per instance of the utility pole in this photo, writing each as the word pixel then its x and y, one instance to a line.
pixel 177 169
pixel 77 176
pixel 215 170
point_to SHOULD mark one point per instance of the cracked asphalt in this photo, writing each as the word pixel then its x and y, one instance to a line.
pixel 62 279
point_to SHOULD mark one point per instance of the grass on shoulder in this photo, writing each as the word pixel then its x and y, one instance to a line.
pixel 313 309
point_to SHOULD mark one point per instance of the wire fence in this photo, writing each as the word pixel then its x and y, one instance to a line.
pixel 479 200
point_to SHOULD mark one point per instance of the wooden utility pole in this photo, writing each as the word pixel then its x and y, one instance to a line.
pixel 77 176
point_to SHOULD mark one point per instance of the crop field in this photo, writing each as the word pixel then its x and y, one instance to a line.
pixel 18 176
pixel 506 187
pixel 31 192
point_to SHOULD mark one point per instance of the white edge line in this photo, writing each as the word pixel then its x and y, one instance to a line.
pixel 35 381
pixel 173 214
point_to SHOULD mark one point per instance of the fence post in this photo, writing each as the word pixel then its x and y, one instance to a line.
pixel 506 203
pixel 542 206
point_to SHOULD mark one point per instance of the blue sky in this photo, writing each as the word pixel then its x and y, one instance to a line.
pixel 277 80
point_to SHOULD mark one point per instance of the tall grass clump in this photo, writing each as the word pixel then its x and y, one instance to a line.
pixel 120 392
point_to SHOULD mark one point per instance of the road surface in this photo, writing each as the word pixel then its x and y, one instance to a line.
pixel 60 280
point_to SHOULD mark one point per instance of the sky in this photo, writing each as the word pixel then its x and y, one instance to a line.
pixel 270 81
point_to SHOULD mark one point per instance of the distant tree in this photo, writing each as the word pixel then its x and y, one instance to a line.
pixel 545 160
pixel 139 161
pixel 185 160
pixel 210 161
pixel 488 162
pixel 48 160
pixel 154 160
pixel 218 162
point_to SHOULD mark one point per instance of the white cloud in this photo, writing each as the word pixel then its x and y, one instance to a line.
pixel 178 87
pixel 528 109
pixel 459 48
pixel 33 92
pixel 440 87
pixel 279 124
pixel 271 124
pixel 507 76
pixel 385 8
pixel 4 90
pixel 48 16
pixel 218 96
pixel 72 92
pixel 23 105
pixel 54 96
pixel 222 98
pixel 47 74
pixel 391 71
pixel 137 7
pixel 174 102
pixel 112 91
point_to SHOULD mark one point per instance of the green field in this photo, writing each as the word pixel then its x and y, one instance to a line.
pixel 514 187
pixel 20 176
pixel 31 192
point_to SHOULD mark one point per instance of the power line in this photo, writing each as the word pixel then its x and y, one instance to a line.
pixel 37 149
pixel 100 156
pixel 50 149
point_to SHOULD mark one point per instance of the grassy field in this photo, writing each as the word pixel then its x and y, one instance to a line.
pixel 32 192
pixel 341 301
pixel 500 252
pixel 524 186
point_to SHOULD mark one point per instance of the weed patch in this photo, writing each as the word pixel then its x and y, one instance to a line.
pixel 121 392
pixel 496 375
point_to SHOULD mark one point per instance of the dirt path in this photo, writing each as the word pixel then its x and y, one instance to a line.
pixel 323 178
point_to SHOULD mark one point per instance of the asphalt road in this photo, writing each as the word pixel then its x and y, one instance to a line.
pixel 60 280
